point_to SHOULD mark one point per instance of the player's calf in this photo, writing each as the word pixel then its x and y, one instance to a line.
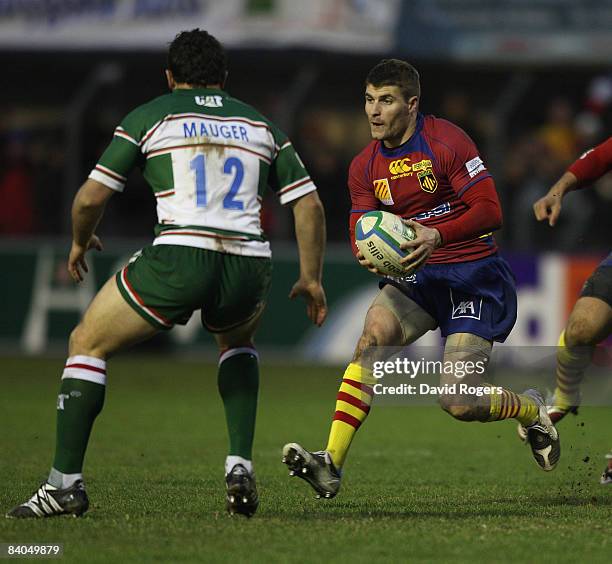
pixel 463 407
pixel 463 389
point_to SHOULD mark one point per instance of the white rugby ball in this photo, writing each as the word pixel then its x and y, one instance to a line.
pixel 378 235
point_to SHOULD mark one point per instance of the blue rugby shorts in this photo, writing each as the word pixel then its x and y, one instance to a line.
pixel 477 297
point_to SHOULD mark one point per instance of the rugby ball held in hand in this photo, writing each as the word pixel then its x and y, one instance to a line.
pixel 378 235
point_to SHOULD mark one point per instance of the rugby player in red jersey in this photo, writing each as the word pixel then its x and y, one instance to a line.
pixel 590 321
pixel 429 172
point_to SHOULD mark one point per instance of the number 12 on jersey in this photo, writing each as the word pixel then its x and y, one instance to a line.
pixel 232 165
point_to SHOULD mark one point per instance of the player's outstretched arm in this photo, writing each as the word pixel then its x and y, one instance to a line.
pixel 87 210
pixel 592 165
pixel 309 218
pixel 549 206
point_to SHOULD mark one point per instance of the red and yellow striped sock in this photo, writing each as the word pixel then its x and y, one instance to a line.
pixel 571 364
pixel 509 405
pixel 352 407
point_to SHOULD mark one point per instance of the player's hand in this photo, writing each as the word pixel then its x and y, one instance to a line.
pixel 426 242
pixel 549 207
pixel 77 265
pixel 366 263
pixel 316 303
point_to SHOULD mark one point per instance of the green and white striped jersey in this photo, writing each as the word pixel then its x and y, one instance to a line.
pixel 208 158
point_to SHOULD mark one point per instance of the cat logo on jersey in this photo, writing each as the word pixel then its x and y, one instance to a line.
pixel 209 101
pixel 382 191
pixel 400 168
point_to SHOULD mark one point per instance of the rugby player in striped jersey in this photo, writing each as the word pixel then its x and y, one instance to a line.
pixel 208 158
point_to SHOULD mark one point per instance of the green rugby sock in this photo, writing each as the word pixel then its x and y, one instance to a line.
pixel 80 400
pixel 238 381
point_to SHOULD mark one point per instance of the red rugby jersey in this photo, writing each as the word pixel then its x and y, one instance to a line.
pixel 435 178
pixel 593 164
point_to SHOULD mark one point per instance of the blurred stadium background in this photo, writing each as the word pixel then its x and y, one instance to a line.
pixel 529 80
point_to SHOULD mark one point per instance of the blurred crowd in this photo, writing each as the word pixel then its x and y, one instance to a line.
pixel 536 158
pixel 526 148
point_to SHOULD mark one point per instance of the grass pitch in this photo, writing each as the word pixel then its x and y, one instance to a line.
pixel 418 486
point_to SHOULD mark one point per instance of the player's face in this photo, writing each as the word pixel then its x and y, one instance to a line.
pixel 392 119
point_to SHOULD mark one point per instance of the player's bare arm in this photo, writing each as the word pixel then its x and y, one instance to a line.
pixel 593 164
pixel 87 210
pixel 309 220
pixel 549 206
pixel 428 239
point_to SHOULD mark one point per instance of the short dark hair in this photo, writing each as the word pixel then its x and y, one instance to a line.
pixel 195 57
pixel 394 72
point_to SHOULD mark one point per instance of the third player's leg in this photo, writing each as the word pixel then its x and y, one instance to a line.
pixel 589 323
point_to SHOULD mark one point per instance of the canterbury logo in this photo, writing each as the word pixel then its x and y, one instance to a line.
pixel 400 166
pixel 382 191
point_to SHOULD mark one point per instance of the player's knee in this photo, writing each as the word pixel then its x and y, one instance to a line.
pixel 237 337
pixel 225 345
pixel 375 334
pixel 459 407
pixel 580 332
pixel 82 341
